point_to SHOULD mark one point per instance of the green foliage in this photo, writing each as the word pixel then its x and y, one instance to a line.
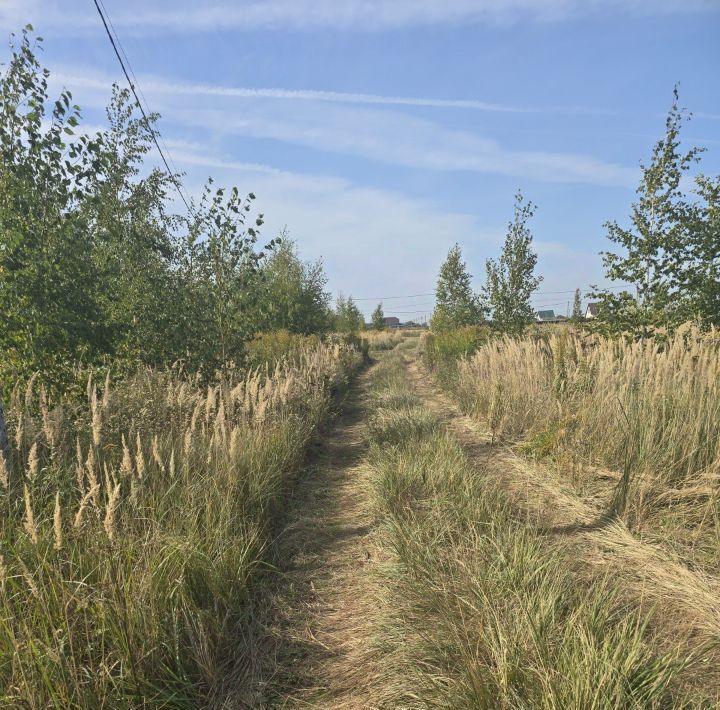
pixel 294 295
pixel 698 275
pixel 577 313
pixel 219 275
pixel 348 318
pixel 442 351
pixel 94 267
pixel 378 318
pixel 48 281
pixel 456 304
pixel 510 282
pixel 671 251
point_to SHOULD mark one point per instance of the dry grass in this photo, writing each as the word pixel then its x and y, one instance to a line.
pixel 481 609
pixel 134 534
pixel 320 609
pixel 382 339
pixel 649 411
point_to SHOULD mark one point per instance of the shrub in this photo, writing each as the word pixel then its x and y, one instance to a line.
pixel 441 351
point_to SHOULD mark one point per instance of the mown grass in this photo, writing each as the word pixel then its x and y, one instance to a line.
pixel 134 529
pixel 482 611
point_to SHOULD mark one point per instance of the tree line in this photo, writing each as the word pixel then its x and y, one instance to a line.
pixel 670 254
pixel 96 266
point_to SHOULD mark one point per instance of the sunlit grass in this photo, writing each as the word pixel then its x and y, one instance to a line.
pixel 134 529
pixel 481 610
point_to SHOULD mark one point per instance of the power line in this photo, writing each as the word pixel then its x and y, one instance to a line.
pixel 135 81
pixel 389 298
pixel 419 305
pixel 153 132
pixel 549 305
pixel 537 293
pixel 603 288
pixel 423 311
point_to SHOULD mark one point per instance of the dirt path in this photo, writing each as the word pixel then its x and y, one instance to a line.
pixel 321 614
pixel 321 607
pixel 689 600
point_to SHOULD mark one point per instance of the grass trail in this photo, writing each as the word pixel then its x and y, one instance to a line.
pixel 685 601
pixel 321 654
pixel 423 566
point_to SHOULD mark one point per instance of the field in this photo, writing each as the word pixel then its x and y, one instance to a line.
pixel 456 538
pixel 140 520
pixel 633 428
pixel 227 484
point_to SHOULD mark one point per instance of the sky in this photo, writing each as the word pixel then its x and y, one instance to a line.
pixel 382 132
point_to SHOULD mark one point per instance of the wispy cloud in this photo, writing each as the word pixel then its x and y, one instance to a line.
pixel 404 140
pixel 156 85
pixel 376 133
pixel 326 214
pixel 162 16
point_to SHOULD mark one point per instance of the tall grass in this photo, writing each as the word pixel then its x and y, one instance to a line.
pixel 382 339
pixel 649 410
pixel 449 345
pixel 277 344
pixel 481 610
pixel 133 530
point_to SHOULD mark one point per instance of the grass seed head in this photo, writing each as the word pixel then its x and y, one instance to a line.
pixel 106 395
pixel 91 495
pixel 139 458
pixel 29 522
pixel 20 432
pixel 4 473
pixel 96 419
pixel 110 521
pixel 57 522
pixel 33 462
pixel 126 467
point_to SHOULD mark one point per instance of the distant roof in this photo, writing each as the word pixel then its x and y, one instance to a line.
pixel 546 315
pixel 592 308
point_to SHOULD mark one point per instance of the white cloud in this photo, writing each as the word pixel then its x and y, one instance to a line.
pixel 159 86
pixel 370 239
pixel 404 140
pixel 378 243
pixel 185 16
pixel 377 134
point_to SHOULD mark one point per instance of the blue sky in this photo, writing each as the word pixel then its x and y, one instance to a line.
pixel 382 132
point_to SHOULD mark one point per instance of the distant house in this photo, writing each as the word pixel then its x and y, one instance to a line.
pixel 592 310
pixel 545 316
pixel 391 322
